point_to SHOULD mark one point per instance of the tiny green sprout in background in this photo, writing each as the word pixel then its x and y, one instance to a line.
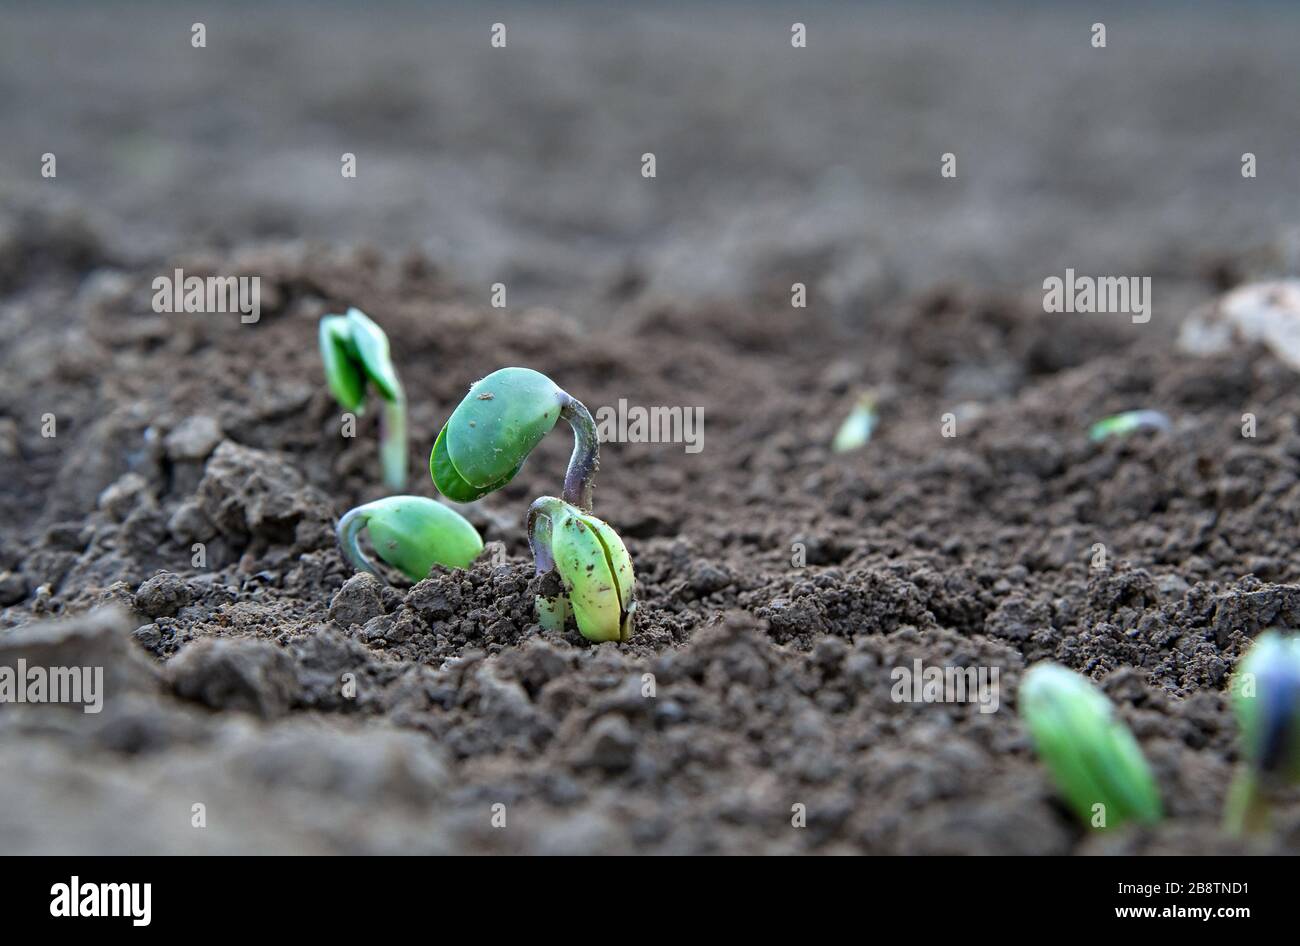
pixel 856 430
pixel 484 445
pixel 1126 423
pixel 1266 697
pixel 411 533
pixel 1091 754
pixel 355 352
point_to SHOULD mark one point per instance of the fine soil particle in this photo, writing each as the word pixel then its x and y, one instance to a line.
pixel 179 532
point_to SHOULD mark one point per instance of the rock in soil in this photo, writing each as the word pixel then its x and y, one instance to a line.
pixel 249 675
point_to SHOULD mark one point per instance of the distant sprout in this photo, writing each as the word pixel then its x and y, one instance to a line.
pixel 411 533
pixel 1091 754
pixel 1126 423
pixel 490 434
pixel 857 428
pixel 593 565
pixel 1266 697
pixel 355 352
pixel 484 445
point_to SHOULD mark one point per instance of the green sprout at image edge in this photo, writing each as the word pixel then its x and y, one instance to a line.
pixel 1266 699
pixel 1092 756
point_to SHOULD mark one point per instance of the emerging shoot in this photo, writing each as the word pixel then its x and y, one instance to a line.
pixel 1266 696
pixel 490 434
pixel 856 430
pixel 1092 756
pixel 594 568
pixel 411 533
pixel 355 352
pixel 1121 425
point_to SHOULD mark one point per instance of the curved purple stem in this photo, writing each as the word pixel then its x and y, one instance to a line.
pixel 585 461
pixel 540 516
pixel 552 613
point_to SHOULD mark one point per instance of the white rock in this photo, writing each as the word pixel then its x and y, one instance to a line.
pixel 1267 312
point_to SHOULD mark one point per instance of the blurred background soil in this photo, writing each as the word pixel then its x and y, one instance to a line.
pixel 522 166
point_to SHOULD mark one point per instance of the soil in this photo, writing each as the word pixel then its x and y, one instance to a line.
pixel 290 705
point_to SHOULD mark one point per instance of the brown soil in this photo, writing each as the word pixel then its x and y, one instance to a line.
pixel 772 680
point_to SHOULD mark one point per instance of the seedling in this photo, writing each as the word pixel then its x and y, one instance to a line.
pixel 1266 696
pixel 593 565
pixel 1121 425
pixel 484 445
pixel 411 533
pixel 355 352
pixel 490 434
pixel 856 430
pixel 1092 755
